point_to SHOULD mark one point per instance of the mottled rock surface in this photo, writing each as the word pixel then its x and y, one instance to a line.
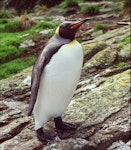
pixel 100 106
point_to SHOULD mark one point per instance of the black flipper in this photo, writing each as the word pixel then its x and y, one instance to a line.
pixel 35 81
pixel 51 48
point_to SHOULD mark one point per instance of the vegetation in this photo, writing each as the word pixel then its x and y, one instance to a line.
pixel 9 46
pixel 16 25
pixel 44 25
pixel 13 33
pixel 122 64
pixel 126 7
pixel 26 22
pixel 70 3
pixel 11 26
pixel 3 21
pixel 90 9
pixel 98 27
pixel 39 10
pixel 8 13
pixel 126 4
pixel 117 8
pixel 15 66
pixel 125 42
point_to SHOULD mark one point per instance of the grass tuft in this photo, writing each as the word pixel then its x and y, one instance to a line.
pixel 8 13
pixel 70 3
pixel 11 26
pixel 90 9
pixel 122 64
pixel 44 25
pixel 125 42
pixel 98 27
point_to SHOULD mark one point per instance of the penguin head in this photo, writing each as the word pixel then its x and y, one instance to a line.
pixel 68 29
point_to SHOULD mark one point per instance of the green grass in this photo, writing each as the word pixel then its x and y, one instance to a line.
pixel 70 3
pixel 122 64
pixel 12 34
pixel 98 27
pixel 11 26
pixel 10 40
pixel 9 46
pixel 67 4
pixel 15 66
pixel 90 9
pixel 117 8
pixel 46 25
pixel 43 25
pixel 15 25
pixel 8 13
pixel 125 42
pixel 4 21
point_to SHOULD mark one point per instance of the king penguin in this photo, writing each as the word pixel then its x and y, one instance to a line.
pixel 54 78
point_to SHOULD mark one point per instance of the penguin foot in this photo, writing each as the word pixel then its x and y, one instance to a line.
pixel 60 125
pixel 45 136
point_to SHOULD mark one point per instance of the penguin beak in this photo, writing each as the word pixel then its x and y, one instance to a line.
pixel 78 24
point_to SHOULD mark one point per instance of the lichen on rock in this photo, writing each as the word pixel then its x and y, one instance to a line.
pixel 100 106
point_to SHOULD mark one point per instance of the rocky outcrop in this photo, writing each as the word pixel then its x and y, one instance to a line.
pixel 100 106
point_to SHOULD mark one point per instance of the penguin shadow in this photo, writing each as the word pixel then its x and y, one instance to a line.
pixel 65 134
pixel 62 134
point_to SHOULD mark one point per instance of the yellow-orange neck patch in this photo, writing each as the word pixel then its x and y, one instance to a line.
pixel 73 42
pixel 57 30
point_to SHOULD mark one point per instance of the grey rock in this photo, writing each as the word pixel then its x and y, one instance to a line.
pixel 119 145
pixel 116 35
pixel 27 43
pixel 91 48
pixel 45 32
pixel 98 33
pixel 15 87
pixel 125 53
pixel 101 60
pixel 69 144
pixel 27 80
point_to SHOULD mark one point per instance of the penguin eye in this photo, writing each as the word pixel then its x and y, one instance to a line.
pixel 66 26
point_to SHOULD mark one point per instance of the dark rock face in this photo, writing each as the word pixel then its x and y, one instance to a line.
pixel 50 3
pixel 19 6
pixel 27 4
pixel 100 106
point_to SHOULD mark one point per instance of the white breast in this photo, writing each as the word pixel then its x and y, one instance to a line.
pixel 58 81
